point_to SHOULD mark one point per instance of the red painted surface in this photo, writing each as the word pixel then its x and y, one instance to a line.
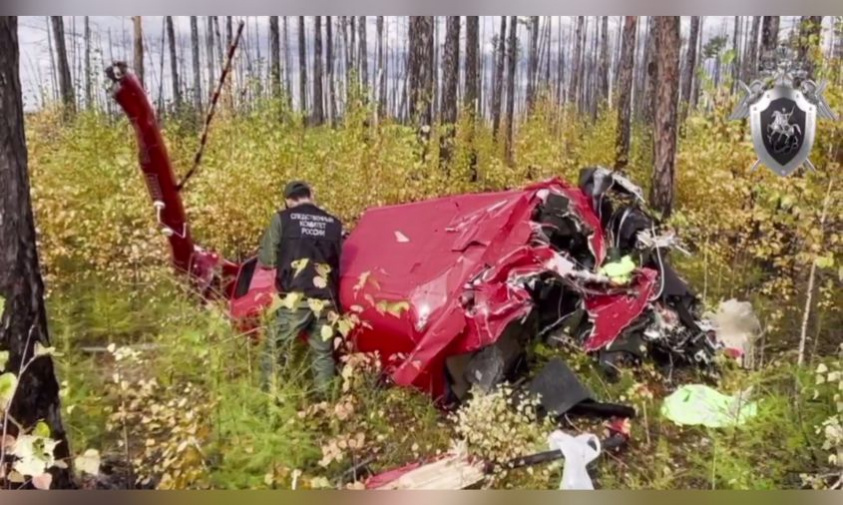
pixel 427 254
pixel 451 260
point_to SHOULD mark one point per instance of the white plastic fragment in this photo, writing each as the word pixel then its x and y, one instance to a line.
pixel 401 238
pixel 579 451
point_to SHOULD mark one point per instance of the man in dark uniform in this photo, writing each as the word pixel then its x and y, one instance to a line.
pixel 303 243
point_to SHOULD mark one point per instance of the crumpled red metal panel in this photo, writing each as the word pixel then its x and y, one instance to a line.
pixel 431 254
pixel 612 312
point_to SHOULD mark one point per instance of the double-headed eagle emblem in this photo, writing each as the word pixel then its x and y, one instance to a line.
pixel 783 119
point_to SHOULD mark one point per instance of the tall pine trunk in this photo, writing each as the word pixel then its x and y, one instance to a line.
pixel 690 62
pixel 209 52
pixel 364 56
pixel 288 83
pixel 533 63
pixel 197 66
pixel 89 89
pixel 576 77
pixel 23 316
pixel 624 103
pixel 302 70
pixel 471 99
pixel 65 83
pixel 603 78
pixel 381 76
pixel 421 75
pixel 329 65
pixel 318 115
pixel 174 63
pixel 451 79
pixel 664 169
pixel 275 56
pixel 651 72
pixel 510 86
pixel 769 38
pixel 497 94
pixel 750 60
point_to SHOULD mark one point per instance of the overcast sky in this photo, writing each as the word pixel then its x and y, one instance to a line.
pixel 36 64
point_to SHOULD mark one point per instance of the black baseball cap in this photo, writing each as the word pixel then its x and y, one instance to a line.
pixel 296 189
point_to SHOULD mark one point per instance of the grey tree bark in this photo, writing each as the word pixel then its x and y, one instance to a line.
pixel 604 59
pixel 197 66
pixel 318 115
pixel 576 77
pixel 275 56
pixel 174 63
pixel 451 78
pixel 690 62
pixel 209 52
pixel 302 69
pixel 624 103
pixel 23 316
pixel 65 82
pixel 421 75
pixel 497 94
pixel 510 87
pixel 533 62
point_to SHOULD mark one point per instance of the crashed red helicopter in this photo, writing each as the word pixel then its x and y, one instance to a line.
pixel 477 276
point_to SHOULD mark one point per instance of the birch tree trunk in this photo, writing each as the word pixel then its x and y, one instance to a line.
pixel 197 66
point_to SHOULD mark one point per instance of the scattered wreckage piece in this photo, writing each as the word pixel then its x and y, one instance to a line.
pixel 455 471
pixel 697 404
pixel 452 290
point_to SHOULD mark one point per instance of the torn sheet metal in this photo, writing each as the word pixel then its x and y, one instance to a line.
pixel 613 312
pixel 464 272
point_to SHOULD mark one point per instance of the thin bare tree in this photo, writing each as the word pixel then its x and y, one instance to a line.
pixel 510 86
pixel 318 114
pixel 302 69
pixel 65 82
pixel 174 62
pixel 603 75
pixel 576 76
pixel 329 64
pixel 89 89
pixel 690 62
pixel 624 103
pixel 497 93
pixel 451 78
pixel 381 75
pixel 532 63
pixel 209 51
pixel 197 66
pixel 364 56
pixel 275 56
